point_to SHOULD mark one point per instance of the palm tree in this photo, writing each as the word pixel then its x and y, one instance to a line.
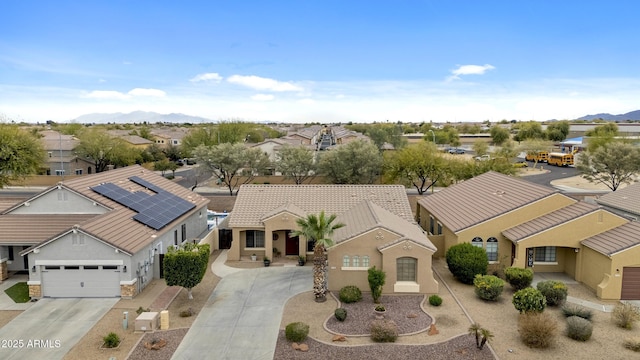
pixel 318 228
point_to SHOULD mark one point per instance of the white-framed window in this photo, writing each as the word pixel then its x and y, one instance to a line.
pixel 345 261
pixel 355 261
pixel 477 242
pixel 365 261
pixel 77 239
pixel 255 238
pixel 78 171
pixel 492 249
pixel 439 229
pixel 406 268
pixel 545 254
pixel 432 223
pixel 59 172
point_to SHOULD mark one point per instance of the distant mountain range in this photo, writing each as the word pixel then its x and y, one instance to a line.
pixel 139 117
pixel 633 115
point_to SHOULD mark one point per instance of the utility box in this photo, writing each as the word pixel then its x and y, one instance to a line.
pixel 147 321
pixel 164 320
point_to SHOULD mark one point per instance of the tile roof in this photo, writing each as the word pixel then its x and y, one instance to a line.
pixel 254 201
pixel 481 198
pixel 117 226
pixel 40 226
pixel 366 216
pixel 615 240
pixel 136 140
pixel 626 199
pixel 549 221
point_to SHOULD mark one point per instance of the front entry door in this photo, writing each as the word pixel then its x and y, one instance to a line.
pixel 293 245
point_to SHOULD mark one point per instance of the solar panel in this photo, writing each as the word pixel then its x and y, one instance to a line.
pixel 156 211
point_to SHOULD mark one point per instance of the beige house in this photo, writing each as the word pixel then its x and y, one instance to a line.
pixel 523 224
pixel 380 231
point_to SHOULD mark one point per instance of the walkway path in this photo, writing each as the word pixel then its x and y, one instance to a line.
pixel 241 319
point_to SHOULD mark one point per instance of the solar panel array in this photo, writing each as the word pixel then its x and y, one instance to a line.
pixel 155 211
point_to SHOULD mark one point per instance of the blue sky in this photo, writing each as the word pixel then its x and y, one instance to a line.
pixel 326 61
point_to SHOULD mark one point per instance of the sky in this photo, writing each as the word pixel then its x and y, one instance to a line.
pixel 320 61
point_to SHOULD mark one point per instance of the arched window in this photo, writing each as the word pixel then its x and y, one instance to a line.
pixel 365 261
pixel 345 261
pixel 406 268
pixel 492 249
pixel 355 261
pixel 477 242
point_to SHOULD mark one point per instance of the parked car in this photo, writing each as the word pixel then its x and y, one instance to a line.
pixel 456 151
pixel 483 158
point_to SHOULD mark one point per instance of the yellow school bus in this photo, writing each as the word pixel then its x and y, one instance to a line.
pixel 542 156
pixel 560 159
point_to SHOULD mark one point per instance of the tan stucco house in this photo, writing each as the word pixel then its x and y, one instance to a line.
pixel 523 224
pixel 380 231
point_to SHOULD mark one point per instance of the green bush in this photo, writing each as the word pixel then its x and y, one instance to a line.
pixel 632 344
pixel 529 300
pixel 625 314
pixel 578 328
pixel 111 340
pixel 376 282
pixel 518 278
pixel 384 331
pixel 435 300
pixel 141 310
pixel 350 294
pixel 488 287
pixel 575 310
pixel 537 330
pixel 465 261
pixel 554 291
pixel 340 314
pixel 296 332
pixel 187 312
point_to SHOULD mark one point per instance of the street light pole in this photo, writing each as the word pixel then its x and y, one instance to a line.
pixel 434 136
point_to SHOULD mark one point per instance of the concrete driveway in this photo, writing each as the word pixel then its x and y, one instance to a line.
pixel 51 327
pixel 242 317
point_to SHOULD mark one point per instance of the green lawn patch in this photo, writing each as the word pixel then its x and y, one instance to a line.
pixel 19 292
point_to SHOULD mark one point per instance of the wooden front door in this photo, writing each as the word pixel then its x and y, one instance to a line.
pixel 292 245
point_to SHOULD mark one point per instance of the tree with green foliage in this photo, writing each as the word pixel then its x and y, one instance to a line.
pixel 103 149
pixel 611 164
pixel 204 135
pixel 499 135
pixel 387 133
pixel 165 165
pixel 376 278
pixel 358 162
pixel 480 147
pixel 229 162
pixel 185 266
pixel 601 134
pixel 420 165
pixel 558 131
pixel 296 162
pixel 533 147
pixel 318 229
pixel 530 130
pixel 21 154
pixel 72 128
pixel 465 261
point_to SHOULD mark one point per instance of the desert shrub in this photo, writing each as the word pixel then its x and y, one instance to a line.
pixel 529 300
pixel 141 310
pixel 632 344
pixel 488 287
pixel 554 291
pixel 376 279
pixel 578 328
pixel 518 278
pixel 384 331
pixel 625 314
pixel 187 312
pixel 111 340
pixel 296 331
pixel 340 314
pixel 575 310
pixel 350 294
pixel 537 330
pixel 465 261
pixel 435 300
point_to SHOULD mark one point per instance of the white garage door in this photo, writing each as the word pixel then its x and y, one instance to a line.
pixel 81 281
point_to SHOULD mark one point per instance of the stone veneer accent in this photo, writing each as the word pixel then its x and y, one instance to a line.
pixel 4 271
pixel 35 291
pixel 128 291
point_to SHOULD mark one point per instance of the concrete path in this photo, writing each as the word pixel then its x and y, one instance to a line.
pixel 51 327
pixel 241 319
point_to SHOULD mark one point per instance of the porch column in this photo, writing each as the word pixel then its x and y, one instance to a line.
pixel 4 271
pixel 578 272
pixel 268 244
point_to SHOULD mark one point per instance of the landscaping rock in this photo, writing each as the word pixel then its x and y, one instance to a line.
pixel 339 338
pixel 303 347
pixel 433 330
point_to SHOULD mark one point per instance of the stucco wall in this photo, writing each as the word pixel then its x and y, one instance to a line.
pixel 61 201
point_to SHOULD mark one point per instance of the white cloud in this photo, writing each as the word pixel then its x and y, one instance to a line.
pixel 106 94
pixel 260 83
pixel 470 70
pixel 207 77
pixel 306 101
pixel 147 92
pixel 262 97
